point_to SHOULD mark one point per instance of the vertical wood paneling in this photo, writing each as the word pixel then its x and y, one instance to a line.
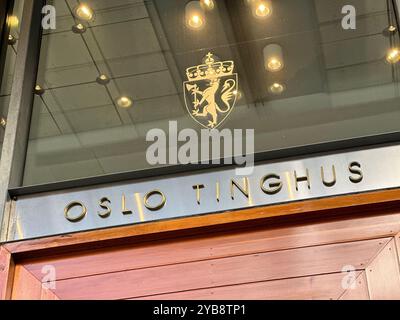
pixel 6 274
pixel 383 274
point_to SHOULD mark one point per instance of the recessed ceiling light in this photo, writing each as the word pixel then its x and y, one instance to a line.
pixel 237 94
pixel 79 28
pixel 103 79
pixel 273 58
pixel 261 8
pixel 11 40
pixel 84 12
pixel 276 88
pixel 207 4
pixel 124 102
pixel 13 21
pixel 39 90
pixel 389 31
pixel 393 55
pixel 194 15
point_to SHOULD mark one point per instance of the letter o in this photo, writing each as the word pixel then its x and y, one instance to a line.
pixel 153 193
pixel 73 205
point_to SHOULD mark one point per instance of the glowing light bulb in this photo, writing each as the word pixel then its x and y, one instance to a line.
pixel 13 21
pixel 79 28
pixel 261 8
pixel 207 4
pixel 237 94
pixel 194 14
pixel 276 88
pixel 124 102
pixel 11 40
pixel 389 31
pixel 39 90
pixel 103 79
pixel 84 12
pixel 274 64
pixel 195 22
pixel 273 57
pixel 393 55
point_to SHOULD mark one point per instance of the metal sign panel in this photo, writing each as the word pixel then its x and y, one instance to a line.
pixel 184 195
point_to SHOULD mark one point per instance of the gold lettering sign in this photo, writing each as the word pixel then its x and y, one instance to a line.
pixel 157 207
pixel 234 189
pixel 71 206
pixel 211 91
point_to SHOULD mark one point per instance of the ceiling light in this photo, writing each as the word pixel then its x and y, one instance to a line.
pixel 39 90
pixel 103 79
pixel 273 58
pixel 13 21
pixel 276 88
pixel 207 4
pixel 79 28
pixel 124 102
pixel 11 40
pixel 389 31
pixel 261 8
pixel 84 12
pixel 194 15
pixel 237 94
pixel 393 55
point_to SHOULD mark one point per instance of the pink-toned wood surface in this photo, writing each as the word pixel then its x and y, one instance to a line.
pixel 397 242
pixel 292 260
pixel 383 274
pixel 219 245
pixel 26 286
pixel 322 287
pixel 6 273
pixel 359 291
pixel 48 295
pixel 240 269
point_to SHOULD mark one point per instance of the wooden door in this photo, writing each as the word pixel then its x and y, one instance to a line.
pixel 298 261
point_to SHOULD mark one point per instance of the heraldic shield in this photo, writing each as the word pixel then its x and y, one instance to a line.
pixel 211 91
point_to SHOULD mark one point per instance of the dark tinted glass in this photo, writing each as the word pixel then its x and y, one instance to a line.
pixel 302 76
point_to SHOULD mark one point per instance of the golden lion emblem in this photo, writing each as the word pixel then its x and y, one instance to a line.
pixel 208 102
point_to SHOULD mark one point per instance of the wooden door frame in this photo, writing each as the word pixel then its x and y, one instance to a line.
pixel 373 203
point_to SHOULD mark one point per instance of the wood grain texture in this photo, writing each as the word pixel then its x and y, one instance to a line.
pixel 360 290
pixel 322 287
pixel 48 295
pixel 222 272
pixel 6 273
pixel 397 242
pixel 26 286
pixel 389 198
pixel 383 274
pixel 219 245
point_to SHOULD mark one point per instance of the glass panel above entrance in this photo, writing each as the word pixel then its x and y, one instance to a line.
pixel 297 72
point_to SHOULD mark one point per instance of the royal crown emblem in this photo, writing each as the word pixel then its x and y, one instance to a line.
pixel 211 91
